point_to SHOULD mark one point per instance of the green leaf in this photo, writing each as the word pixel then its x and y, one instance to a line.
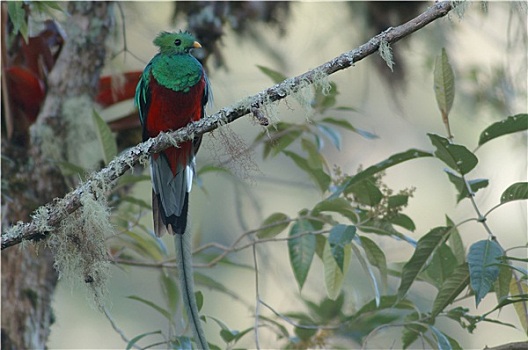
pixel 169 289
pixel 461 315
pixel 240 334
pixel 450 289
pixel 483 271
pixel 453 343
pixel 320 242
pixel 336 205
pixel 457 157
pixel 502 285
pixel 402 220
pixel 386 302
pixel 327 310
pixel 137 338
pixel 210 283
pixel 376 257
pixel 346 125
pixel 461 187
pixel 333 135
pixel 153 305
pixel 333 275
pixel 374 169
pixel 444 83
pixel 516 191
pixel 137 201
pixel 275 76
pixel 220 323
pixel 279 137
pixel 385 228
pixel 366 192
pixel 283 331
pixel 516 123
pixel 70 169
pixel 45 7
pixel 228 335
pixel 442 266
pixel 199 300
pixel 424 250
pixel 17 15
pixel 182 342
pixel 277 223
pixel 318 175
pixel 315 159
pixel 325 99
pixel 209 168
pixel 343 123
pixel 106 139
pixel 455 242
pixel 55 5
pixel 146 246
pixel 477 184
pixel 301 250
pixel 398 200
pixel 514 299
pixel 519 288
pixel 304 333
pixel 441 339
pixel 340 236
pixel 368 270
pixel 411 332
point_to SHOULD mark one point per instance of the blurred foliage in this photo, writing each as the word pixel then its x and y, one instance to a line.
pixel 207 19
pixel 345 227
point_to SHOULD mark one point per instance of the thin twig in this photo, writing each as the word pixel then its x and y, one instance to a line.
pixel 480 217
pixel 117 329
pixel 298 325
pixel 254 243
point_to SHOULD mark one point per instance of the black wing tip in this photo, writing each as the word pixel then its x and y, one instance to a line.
pixel 172 224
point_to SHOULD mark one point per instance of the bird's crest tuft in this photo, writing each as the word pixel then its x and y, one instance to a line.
pixel 175 42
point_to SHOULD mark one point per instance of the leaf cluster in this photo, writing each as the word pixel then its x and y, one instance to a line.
pixel 356 213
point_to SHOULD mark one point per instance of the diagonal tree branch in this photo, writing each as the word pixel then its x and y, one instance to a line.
pixel 48 217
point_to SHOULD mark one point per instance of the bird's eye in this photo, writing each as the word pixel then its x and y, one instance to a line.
pixel 177 42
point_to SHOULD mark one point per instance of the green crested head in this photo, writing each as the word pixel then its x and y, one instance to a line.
pixel 176 42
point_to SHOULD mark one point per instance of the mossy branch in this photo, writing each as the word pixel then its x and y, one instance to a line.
pixel 47 218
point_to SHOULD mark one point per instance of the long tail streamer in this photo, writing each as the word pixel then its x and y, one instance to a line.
pixel 183 246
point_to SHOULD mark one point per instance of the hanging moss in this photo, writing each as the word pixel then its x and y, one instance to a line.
pixel 79 246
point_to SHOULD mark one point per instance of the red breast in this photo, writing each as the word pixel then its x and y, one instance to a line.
pixel 171 110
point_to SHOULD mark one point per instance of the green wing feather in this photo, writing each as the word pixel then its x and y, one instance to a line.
pixel 142 97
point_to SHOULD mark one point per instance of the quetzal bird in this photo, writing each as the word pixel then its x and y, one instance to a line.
pixel 172 92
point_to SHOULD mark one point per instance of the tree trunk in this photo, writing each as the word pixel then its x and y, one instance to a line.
pixel 32 179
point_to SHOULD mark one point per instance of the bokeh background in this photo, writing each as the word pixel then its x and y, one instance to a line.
pixel 490 41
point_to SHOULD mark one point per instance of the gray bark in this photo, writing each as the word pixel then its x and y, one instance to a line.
pixel 28 276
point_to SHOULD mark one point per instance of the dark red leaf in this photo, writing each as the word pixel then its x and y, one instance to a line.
pixel 112 91
pixel 25 90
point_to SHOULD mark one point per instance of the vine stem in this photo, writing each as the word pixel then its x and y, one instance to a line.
pixel 117 329
pixel 257 298
pixel 480 217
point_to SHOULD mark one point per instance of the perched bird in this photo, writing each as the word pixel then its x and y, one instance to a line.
pixel 172 92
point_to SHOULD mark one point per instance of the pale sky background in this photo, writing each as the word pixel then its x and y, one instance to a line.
pixel 317 33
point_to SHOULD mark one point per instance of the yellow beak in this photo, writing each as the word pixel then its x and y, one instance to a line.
pixel 196 45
